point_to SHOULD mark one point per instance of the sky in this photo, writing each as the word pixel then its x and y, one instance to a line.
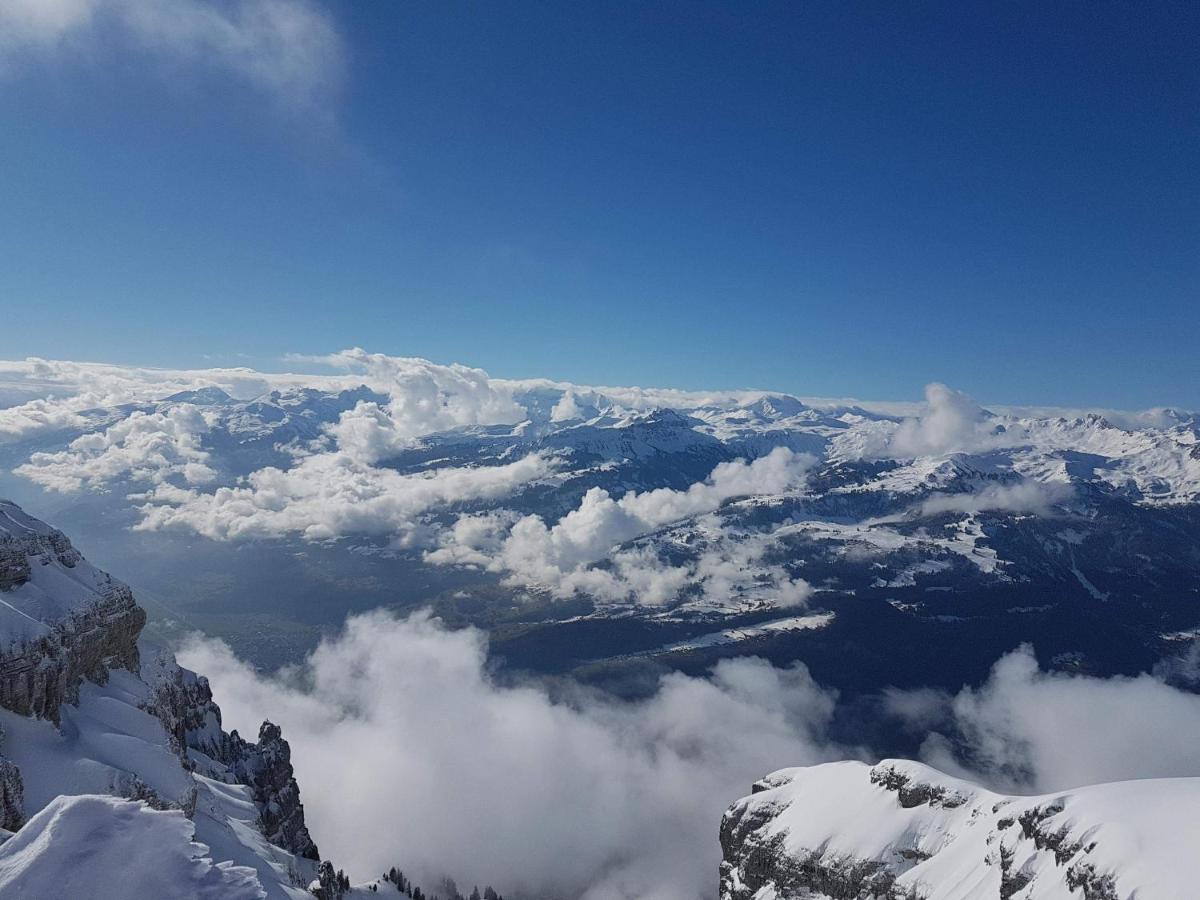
pixel 824 198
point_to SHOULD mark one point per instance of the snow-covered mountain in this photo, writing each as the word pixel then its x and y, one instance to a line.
pixel 903 831
pixel 602 528
pixel 116 777
pixel 86 722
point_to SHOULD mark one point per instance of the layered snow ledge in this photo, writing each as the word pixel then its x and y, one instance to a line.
pixel 92 846
pixel 904 830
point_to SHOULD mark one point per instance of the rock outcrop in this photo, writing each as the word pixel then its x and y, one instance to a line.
pixel 266 767
pixel 12 796
pixel 183 702
pixel 62 620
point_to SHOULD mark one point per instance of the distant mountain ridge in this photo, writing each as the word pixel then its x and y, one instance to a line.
pixel 953 525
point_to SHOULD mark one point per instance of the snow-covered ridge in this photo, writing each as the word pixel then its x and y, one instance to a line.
pixel 61 618
pixel 904 830
pixel 81 715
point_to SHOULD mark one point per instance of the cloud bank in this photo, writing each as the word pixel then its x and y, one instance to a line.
pixel 561 557
pixel 1030 730
pixel 1025 496
pixel 442 769
pixel 144 447
pixel 950 423
pixel 328 495
pixel 424 398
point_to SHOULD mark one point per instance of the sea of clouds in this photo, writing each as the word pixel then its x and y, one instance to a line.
pixel 410 752
pixel 102 429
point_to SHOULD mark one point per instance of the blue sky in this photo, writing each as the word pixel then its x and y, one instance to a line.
pixel 826 198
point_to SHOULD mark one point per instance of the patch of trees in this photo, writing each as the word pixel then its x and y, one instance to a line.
pixel 447 890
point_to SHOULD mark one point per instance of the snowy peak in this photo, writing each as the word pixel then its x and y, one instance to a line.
pixel 62 620
pixel 44 580
pixel 209 396
pixel 774 407
pixel 903 829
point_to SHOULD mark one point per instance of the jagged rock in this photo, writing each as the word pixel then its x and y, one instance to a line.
pixel 64 621
pixel 183 702
pixel 267 768
pixel 914 793
pixel 12 796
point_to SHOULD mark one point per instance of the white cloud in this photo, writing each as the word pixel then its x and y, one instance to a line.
pixel 444 770
pixel 566 409
pixel 143 447
pixel 1025 496
pixel 1026 729
pixel 286 49
pixel 424 397
pixel 329 495
pixel 560 557
pixel 951 422
pixel 62 392
pixel 441 769
pixel 36 416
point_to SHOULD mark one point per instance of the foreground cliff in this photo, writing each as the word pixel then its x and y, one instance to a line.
pixel 903 831
pixel 124 753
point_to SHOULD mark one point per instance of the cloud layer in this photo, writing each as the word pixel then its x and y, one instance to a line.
pixel 1028 729
pixel 950 423
pixel 442 769
pixel 328 495
pixel 561 557
pixel 143 447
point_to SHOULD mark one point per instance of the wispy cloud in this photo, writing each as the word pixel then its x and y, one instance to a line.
pixel 289 50
pixel 1027 729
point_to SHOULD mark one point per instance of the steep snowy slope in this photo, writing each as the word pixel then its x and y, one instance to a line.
pixel 98 846
pixel 84 721
pixel 903 830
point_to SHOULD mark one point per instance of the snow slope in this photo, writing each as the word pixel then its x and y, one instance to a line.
pixel 47 580
pixel 903 829
pixel 110 767
pixel 92 847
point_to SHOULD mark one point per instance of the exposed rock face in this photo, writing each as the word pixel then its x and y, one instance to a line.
pixel 40 677
pixel 63 621
pixel 12 796
pixel 183 702
pixel 76 625
pixel 903 831
pixel 267 768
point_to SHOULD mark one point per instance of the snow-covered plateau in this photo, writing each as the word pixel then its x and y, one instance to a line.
pixel 901 830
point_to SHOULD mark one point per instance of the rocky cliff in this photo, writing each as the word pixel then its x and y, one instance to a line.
pixel 903 831
pixel 183 702
pixel 67 630
pixel 61 619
